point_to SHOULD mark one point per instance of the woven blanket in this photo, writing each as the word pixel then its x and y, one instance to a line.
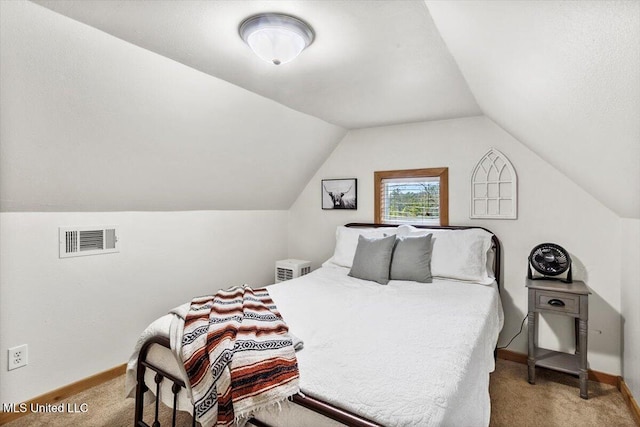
pixel 237 355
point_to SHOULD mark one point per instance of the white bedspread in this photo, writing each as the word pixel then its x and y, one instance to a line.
pixel 404 354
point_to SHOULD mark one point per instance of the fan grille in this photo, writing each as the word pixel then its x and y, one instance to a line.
pixel 550 259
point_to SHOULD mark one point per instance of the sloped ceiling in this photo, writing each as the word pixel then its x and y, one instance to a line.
pixel 564 78
pixel 92 123
pixel 561 76
pixel 372 62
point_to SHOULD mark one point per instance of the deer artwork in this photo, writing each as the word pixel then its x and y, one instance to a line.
pixel 339 201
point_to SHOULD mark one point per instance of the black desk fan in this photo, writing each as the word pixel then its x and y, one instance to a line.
pixel 550 261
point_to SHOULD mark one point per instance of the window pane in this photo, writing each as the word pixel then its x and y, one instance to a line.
pixel 419 196
pixel 411 200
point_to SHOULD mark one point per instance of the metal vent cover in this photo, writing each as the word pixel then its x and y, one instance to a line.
pixel 91 240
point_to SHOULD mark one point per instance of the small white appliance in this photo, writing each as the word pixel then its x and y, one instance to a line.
pixel 287 269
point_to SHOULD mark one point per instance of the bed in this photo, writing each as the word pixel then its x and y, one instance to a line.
pixel 402 354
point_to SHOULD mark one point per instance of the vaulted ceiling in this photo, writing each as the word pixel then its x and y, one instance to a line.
pixel 372 62
pixel 562 77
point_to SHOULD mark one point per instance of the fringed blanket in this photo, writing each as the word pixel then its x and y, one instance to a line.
pixel 237 355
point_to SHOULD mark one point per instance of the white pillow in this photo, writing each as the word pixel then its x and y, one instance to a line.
pixel 457 254
pixel 347 242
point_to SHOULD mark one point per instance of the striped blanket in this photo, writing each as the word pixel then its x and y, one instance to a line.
pixel 237 355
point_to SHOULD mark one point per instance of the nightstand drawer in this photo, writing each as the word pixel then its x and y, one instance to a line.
pixel 556 301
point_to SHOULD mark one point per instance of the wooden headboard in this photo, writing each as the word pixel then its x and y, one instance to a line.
pixel 494 239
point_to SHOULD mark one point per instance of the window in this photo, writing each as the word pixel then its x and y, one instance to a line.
pixel 414 196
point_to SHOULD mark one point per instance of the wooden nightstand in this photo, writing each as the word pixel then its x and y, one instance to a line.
pixel 569 299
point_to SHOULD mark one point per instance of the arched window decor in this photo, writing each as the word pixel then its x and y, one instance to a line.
pixel 494 188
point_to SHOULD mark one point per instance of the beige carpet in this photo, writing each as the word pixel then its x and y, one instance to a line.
pixel 553 401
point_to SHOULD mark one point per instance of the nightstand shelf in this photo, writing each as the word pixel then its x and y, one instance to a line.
pixel 567 299
pixel 558 361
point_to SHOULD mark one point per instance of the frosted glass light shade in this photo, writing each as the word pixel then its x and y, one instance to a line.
pixel 276 38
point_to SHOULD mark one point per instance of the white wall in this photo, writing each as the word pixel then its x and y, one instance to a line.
pixel 81 316
pixel 551 209
pixel 630 294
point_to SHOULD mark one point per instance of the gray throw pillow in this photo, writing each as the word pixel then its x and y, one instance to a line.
pixel 372 259
pixel 412 259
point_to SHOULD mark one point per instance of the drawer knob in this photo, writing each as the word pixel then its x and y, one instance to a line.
pixel 556 302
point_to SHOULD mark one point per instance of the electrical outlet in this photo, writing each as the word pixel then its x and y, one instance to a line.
pixel 17 357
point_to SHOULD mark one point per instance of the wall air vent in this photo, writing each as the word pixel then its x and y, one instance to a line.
pixel 80 241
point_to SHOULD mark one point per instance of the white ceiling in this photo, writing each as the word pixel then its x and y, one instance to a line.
pixel 372 62
pixel 92 123
pixel 562 76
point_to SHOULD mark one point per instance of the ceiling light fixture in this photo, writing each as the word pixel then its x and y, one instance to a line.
pixel 275 37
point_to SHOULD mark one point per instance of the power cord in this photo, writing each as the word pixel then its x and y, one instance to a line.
pixel 514 337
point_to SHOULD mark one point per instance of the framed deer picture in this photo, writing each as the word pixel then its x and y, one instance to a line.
pixel 340 193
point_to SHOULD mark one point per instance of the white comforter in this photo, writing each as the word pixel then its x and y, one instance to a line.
pixel 404 354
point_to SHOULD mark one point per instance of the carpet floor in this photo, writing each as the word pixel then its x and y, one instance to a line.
pixel 553 401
